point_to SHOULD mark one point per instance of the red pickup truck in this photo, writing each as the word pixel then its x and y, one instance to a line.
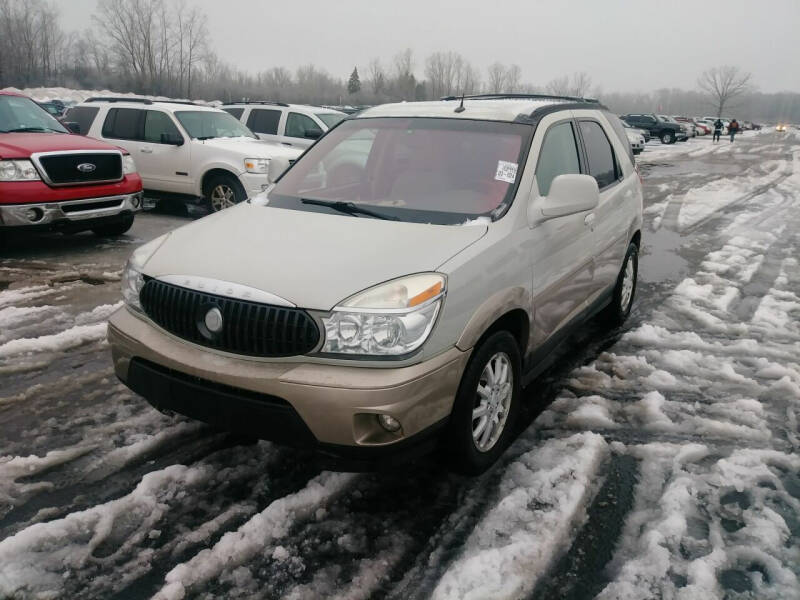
pixel 53 180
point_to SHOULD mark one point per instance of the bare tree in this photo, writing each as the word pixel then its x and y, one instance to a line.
pixel 497 78
pixel 377 78
pixel 578 85
pixel 513 79
pixel 724 84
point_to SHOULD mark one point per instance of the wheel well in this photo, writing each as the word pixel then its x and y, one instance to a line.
pixel 637 239
pixel 213 173
pixel 516 322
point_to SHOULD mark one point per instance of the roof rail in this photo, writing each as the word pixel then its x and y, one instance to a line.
pixel 138 100
pixel 270 102
pixel 522 97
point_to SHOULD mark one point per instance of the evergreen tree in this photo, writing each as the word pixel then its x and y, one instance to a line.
pixel 354 83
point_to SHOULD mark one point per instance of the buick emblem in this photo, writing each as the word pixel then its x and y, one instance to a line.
pixel 213 320
pixel 86 167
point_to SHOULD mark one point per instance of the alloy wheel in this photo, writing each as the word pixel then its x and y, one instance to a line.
pixel 492 401
pixel 222 196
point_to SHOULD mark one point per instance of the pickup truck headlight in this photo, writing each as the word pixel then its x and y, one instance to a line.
pixel 128 164
pixel 18 170
pixel 256 165
pixel 391 319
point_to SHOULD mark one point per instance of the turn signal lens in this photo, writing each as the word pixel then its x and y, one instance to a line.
pixel 426 295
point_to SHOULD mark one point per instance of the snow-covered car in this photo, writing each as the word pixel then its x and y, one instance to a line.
pixel 373 315
pixel 183 149
pixel 289 124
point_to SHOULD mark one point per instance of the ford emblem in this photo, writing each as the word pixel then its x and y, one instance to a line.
pixel 86 167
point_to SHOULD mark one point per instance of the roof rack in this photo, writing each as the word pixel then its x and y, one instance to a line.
pixel 270 102
pixel 522 97
pixel 138 100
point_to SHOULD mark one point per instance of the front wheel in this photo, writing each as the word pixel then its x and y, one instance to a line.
pixel 486 406
pixel 625 289
pixel 223 191
pixel 667 138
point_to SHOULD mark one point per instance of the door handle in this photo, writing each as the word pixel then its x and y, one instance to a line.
pixel 146 150
pixel 589 220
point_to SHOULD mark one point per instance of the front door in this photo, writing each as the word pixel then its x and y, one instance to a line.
pixel 300 130
pixel 562 247
pixel 166 164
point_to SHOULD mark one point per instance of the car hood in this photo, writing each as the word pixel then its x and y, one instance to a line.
pixel 313 260
pixel 253 148
pixel 22 145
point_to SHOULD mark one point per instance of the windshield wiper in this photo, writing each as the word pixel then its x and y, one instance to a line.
pixel 31 129
pixel 206 137
pixel 349 208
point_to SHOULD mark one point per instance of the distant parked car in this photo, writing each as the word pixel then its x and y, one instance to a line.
pixel 289 124
pixel 666 131
pixel 781 127
pixel 636 140
pixel 57 110
pixel 182 149
pixel 702 127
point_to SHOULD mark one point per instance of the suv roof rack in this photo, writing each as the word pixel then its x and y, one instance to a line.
pixel 522 97
pixel 270 102
pixel 139 100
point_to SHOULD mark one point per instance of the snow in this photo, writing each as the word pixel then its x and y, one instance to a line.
pixel 45 94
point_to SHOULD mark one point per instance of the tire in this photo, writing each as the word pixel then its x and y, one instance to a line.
pixel 667 137
pixel 624 290
pixel 471 453
pixel 114 229
pixel 223 191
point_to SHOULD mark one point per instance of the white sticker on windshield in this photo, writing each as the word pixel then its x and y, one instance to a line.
pixel 506 171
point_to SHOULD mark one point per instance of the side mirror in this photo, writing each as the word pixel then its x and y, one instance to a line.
pixel 73 127
pixel 172 139
pixel 277 166
pixel 569 194
pixel 313 134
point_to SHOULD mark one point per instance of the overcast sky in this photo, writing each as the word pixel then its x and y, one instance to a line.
pixel 625 45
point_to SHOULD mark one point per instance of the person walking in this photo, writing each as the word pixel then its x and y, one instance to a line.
pixel 717 129
pixel 733 128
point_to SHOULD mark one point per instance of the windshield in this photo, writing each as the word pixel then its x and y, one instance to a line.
pixel 330 119
pixel 18 113
pixel 206 124
pixel 422 170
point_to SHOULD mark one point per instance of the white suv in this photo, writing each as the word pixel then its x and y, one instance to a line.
pixel 182 148
pixel 290 124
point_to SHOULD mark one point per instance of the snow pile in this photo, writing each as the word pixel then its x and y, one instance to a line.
pixel 45 94
pixel 541 499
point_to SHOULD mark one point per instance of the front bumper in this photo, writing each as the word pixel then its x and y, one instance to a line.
pixel 333 407
pixel 254 183
pixel 69 212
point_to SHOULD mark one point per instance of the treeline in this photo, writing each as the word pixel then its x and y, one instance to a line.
pixel 161 47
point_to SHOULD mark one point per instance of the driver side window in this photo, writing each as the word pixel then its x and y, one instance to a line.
pixel 297 125
pixel 157 123
pixel 558 156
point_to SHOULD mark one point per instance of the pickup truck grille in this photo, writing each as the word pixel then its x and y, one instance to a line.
pixel 248 328
pixel 80 168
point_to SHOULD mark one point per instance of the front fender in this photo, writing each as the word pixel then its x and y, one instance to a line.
pixel 497 305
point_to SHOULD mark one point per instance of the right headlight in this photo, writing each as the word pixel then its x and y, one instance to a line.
pixel 18 170
pixel 132 277
pixel 390 319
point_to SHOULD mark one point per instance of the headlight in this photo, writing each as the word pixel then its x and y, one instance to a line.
pixel 132 278
pixel 18 170
pixel 256 165
pixel 128 164
pixel 391 319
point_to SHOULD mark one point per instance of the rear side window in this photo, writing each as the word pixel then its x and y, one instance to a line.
pixel 559 156
pixel 124 124
pixel 156 123
pixel 600 155
pixel 264 121
pixel 236 112
pixel 619 130
pixel 83 116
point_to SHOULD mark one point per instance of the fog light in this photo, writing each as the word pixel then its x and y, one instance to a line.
pixel 34 214
pixel 135 202
pixel 389 423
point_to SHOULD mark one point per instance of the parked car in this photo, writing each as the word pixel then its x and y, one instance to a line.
pixel 667 132
pixel 702 127
pixel 289 124
pixel 57 110
pixel 374 316
pixel 684 127
pixel 643 132
pixel 52 180
pixel 691 126
pixel 635 138
pixel 183 150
